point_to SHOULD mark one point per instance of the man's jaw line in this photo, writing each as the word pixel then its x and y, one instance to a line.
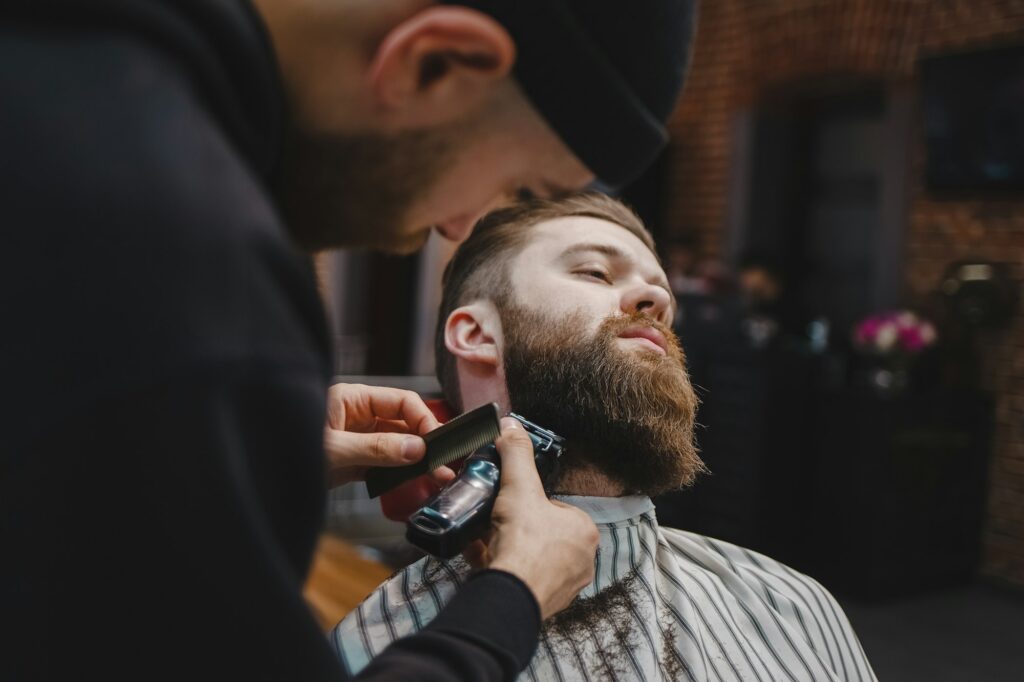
pixel 588 482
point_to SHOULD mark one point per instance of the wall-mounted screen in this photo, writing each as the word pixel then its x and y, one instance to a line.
pixel 973 107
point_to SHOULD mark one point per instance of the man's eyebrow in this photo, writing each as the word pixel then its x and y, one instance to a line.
pixel 553 191
pixel 606 249
pixel 612 252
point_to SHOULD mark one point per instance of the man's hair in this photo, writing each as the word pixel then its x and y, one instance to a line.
pixel 479 270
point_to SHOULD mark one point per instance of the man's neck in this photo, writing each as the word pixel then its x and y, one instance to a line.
pixel 588 481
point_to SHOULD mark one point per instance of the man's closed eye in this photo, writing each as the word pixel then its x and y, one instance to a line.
pixel 600 275
pixel 525 194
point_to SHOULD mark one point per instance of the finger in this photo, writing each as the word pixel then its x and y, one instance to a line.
pixel 391 426
pixel 476 555
pixel 346 449
pixel 518 470
pixel 488 536
pixel 356 407
pixel 442 475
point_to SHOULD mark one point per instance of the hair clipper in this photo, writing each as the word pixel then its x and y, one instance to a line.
pixel 461 511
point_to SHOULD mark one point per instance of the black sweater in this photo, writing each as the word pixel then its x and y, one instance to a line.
pixel 164 365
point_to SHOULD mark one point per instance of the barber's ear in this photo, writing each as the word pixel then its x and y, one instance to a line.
pixel 473 333
pixel 438 65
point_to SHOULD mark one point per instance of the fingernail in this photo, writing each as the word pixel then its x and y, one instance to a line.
pixel 412 448
pixel 510 423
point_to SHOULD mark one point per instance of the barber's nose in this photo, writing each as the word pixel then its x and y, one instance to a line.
pixel 648 299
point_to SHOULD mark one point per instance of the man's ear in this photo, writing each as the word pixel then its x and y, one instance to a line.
pixel 438 65
pixel 473 333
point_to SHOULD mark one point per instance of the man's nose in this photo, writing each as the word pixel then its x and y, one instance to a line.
pixel 649 299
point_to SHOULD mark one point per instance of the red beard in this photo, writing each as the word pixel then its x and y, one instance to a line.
pixel 629 414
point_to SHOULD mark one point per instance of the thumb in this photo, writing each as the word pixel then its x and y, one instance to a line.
pixel 518 469
pixel 344 449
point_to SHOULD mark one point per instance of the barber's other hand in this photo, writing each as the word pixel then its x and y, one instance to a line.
pixel 548 545
pixel 370 426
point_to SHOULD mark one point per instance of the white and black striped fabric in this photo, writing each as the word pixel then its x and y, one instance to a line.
pixel 665 605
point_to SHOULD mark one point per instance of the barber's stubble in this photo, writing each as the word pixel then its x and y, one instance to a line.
pixel 627 413
pixel 355 190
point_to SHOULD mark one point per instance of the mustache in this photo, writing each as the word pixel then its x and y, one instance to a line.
pixel 612 326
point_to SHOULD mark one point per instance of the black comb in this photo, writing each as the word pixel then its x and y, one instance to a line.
pixel 458 438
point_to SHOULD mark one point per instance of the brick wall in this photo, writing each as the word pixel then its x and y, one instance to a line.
pixel 748 47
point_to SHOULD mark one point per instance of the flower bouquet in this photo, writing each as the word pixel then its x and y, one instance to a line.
pixel 893 340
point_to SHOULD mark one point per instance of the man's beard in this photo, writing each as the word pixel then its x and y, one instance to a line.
pixel 626 413
pixel 356 190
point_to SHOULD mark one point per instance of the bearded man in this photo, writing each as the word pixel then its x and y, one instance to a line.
pixel 560 311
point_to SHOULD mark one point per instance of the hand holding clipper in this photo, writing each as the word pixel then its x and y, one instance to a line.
pixel 547 544
pixel 461 512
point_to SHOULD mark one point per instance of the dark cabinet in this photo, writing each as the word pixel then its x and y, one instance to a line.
pixel 755 425
pixel 874 496
pixel 897 500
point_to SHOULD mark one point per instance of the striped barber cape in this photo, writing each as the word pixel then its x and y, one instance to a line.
pixel 664 605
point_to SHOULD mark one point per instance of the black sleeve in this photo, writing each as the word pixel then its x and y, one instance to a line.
pixel 487 632
pixel 164 367
pixel 160 535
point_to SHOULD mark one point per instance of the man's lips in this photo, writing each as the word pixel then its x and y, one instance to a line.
pixel 649 335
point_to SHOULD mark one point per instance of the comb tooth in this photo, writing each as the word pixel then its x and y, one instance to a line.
pixel 441 452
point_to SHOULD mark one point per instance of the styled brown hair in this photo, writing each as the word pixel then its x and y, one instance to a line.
pixel 479 268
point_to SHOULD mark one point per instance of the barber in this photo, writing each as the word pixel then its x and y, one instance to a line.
pixel 164 355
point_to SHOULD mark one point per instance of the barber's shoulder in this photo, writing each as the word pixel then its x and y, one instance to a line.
pixel 123 135
pixel 129 211
pixel 113 159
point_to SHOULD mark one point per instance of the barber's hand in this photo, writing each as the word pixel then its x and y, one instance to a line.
pixel 548 545
pixel 370 426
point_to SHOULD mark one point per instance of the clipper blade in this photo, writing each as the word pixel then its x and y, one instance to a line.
pixel 457 439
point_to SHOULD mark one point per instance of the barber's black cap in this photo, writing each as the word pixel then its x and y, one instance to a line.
pixel 605 75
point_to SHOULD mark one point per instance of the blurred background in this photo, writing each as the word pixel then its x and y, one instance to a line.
pixel 841 214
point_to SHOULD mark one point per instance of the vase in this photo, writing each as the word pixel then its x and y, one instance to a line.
pixel 888 382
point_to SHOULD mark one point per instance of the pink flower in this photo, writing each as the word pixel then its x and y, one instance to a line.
pixel 928 333
pixel 898 331
pixel 867 331
pixel 911 339
pixel 887 336
pixel 905 320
